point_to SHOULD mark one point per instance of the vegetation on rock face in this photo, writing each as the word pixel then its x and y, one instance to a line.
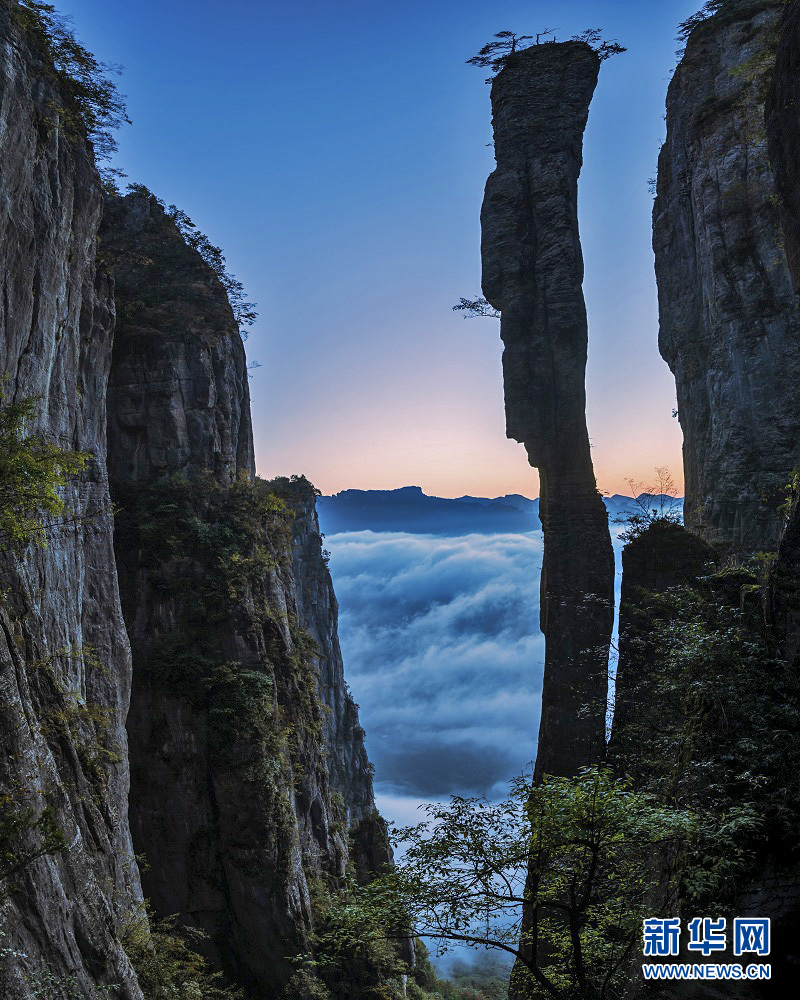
pixel 716 729
pixel 714 7
pixel 93 102
pixel 561 875
pixel 655 504
pixel 476 307
pixel 570 858
pixel 213 548
pixel 33 477
pixel 26 834
pixel 244 311
pixel 501 52
pixel 167 965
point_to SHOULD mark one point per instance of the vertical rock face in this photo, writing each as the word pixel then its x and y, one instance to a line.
pixel 318 612
pixel 729 319
pixel 64 656
pixel 179 398
pixel 532 273
pixel 783 131
pixel 232 620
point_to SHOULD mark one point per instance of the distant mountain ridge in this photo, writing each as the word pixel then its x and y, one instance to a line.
pixel 409 509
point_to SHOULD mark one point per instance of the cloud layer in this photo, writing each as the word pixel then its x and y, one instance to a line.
pixel 443 652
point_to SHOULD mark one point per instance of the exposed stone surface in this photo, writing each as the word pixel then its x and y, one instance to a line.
pixel 729 318
pixel 64 656
pixel 783 131
pixel 532 273
pixel 179 397
pixel 232 620
pixel 318 613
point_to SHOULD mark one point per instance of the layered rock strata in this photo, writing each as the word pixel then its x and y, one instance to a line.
pixel 532 273
pixel 65 666
pixel 728 312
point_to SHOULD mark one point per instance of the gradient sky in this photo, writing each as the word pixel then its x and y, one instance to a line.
pixel 337 151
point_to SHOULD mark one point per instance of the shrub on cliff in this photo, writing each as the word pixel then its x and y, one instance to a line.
pixel 715 728
pixel 33 477
pixel 501 52
pixel 167 966
pixel 244 311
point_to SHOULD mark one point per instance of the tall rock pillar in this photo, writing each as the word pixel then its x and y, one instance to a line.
pixel 729 317
pixel 532 273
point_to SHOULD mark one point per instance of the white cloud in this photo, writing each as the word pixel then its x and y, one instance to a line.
pixel 443 652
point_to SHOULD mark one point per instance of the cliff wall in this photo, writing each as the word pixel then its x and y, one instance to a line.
pixel 532 273
pixel 729 319
pixel 248 763
pixel 783 133
pixel 65 665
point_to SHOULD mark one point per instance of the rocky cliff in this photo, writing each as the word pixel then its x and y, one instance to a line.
pixel 532 273
pixel 202 601
pixel 729 319
pixel 248 763
pixel 783 133
pixel 65 665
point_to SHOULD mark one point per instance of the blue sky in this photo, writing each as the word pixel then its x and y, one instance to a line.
pixel 337 152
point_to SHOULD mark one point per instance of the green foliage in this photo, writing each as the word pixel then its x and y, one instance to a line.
pixel 26 834
pixel 720 9
pixel 92 101
pixel 485 978
pixel 476 307
pixel 168 967
pixel 558 876
pixel 715 729
pixel 44 984
pixel 213 548
pixel 305 986
pixel 33 477
pixel 501 52
pixel 86 727
pixel 244 311
pixel 353 954
pixel 791 495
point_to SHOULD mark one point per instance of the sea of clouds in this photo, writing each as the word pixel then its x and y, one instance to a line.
pixel 442 650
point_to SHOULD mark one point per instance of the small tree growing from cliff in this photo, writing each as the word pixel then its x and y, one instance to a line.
pixel 476 307
pixel 92 98
pixel 574 855
pixel 498 53
pixel 655 503
pixel 244 312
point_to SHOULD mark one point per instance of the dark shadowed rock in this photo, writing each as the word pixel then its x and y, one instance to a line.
pixel 663 557
pixel 783 132
pixel 729 318
pixel 248 761
pixel 785 586
pixel 532 273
